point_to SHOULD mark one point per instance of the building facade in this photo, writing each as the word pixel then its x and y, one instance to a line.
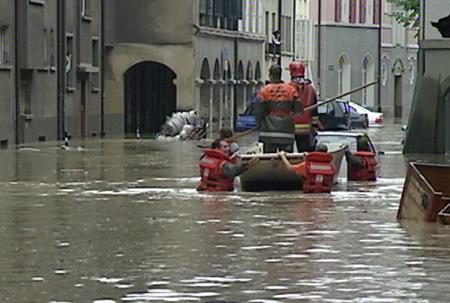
pixel 348 54
pixel 164 56
pixel 50 75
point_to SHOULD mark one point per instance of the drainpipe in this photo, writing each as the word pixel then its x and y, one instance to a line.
pixel 61 50
pixel 102 70
pixel 380 42
pixel 319 45
pixel 16 73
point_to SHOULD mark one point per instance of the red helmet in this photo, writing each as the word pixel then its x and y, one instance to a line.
pixel 297 69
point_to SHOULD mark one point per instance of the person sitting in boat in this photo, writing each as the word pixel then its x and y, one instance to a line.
pixel 300 169
pixel 361 164
pixel 218 170
pixel 227 134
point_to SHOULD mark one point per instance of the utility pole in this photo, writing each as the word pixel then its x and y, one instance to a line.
pixel 319 52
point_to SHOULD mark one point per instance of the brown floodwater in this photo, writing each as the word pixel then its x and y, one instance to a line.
pixel 120 221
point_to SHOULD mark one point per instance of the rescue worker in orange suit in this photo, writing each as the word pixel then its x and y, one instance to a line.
pixel 218 170
pixel 304 132
pixel 300 168
pixel 361 164
pixel 278 103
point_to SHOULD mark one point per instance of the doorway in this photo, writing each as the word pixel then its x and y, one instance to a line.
pixel 150 96
pixel 398 96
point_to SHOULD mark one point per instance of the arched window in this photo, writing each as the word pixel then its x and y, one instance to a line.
pixel 344 75
pixel 368 76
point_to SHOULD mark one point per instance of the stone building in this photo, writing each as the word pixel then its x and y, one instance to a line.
pixel 168 55
pixel 50 75
pixel 348 54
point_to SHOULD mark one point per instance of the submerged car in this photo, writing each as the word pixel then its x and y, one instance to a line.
pixel 375 118
pixel 334 115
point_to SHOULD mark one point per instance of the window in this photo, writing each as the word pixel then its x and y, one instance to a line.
pixel 338 10
pixel 4 45
pixel 45 47
pixel 95 52
pixel 286 33
pixel 376 11
pixel 52 47
pixel 206 13
pixel 352 11
pixel 221 14
pixel 70 63
pixel 95 79
pixel 362 11
pixel 85 8
pixel 368 76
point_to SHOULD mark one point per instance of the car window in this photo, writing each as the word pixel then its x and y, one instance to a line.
pixel 352 109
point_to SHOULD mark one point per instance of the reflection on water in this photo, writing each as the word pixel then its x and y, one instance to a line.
pixel 120 221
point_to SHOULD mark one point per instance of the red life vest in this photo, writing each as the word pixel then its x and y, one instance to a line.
pixel 211 165
pixel 319 172
pixel 368 173
pixel 307 96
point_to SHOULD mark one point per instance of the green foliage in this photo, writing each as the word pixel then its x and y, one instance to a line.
pixel 407 13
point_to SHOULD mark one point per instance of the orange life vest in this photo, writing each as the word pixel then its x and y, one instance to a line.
pixel 319 172
pixel 368 173
pixel 211 166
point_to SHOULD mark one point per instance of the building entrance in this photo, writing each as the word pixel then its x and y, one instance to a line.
pixel 150 96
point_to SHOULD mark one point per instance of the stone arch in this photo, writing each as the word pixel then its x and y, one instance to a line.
pixel 150 96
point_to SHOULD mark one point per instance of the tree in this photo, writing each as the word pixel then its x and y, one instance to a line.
pixel 408 14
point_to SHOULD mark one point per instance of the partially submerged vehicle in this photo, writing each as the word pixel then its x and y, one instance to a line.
pixel 426 193
pixel 271 174
pixel 334 140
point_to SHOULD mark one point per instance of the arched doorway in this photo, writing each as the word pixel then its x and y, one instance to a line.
pixel 344 75
pixel 368 76
pixel 399 70
pixel 150 96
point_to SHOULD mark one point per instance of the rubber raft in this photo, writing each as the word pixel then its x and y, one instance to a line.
pixel 270 173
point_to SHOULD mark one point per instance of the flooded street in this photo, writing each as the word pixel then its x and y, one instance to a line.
pixel 121 221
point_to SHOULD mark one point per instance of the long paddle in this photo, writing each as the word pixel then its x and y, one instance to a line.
pixel 308 108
